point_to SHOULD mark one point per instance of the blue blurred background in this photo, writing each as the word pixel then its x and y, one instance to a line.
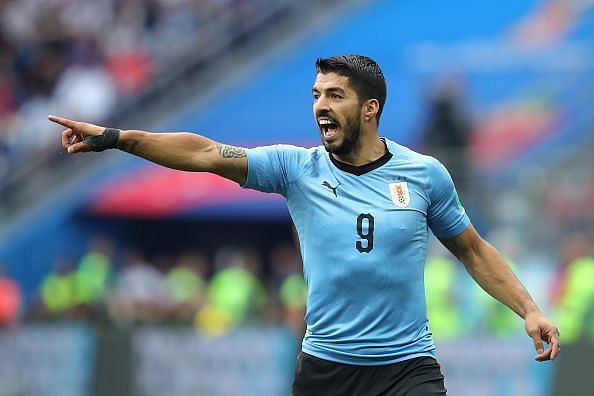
pixel 120 277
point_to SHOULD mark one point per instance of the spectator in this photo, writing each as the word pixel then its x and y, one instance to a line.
pixel 85 58
pixel 235 293
pixel 85 88
pixel 447 129
pixel 93 275
pixel 575 311
pixel 443 308
pixel 290 286
pixel 139 292
pixel 186 285
pixel 57 289
pixel 11 299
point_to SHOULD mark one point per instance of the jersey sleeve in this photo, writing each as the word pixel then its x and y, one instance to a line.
pixel 446 215
pixel 271 169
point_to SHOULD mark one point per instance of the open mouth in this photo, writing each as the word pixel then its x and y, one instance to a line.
pixel 328 127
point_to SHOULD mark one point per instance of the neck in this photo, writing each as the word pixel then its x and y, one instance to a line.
pixel 369 148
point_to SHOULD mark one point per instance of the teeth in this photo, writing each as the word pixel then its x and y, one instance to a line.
pixel 325 122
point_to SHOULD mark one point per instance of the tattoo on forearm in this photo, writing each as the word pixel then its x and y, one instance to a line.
pixel 227 151
pixel 128 146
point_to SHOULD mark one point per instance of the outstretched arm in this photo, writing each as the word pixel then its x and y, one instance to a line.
pixel 181 150
pixel 489 269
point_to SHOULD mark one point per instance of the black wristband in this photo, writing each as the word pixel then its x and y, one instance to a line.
pixel 107 140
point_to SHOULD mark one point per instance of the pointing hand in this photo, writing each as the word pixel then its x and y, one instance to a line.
pixel 75 134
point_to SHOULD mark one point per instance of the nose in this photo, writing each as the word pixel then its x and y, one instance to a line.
pixel 322 104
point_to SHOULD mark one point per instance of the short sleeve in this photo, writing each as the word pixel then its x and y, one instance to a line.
pixel 271 169
pixel 446 215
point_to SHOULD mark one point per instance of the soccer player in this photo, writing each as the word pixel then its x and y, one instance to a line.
pixel 362 206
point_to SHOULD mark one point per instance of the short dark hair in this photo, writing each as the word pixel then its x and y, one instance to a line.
pixel 365 76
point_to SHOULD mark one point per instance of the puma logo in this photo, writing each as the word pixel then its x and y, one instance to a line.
pixel 326 184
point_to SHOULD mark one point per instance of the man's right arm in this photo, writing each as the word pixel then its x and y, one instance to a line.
pixel 186 151
pixel 182 150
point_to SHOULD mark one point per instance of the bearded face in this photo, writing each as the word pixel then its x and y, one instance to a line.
pixel 337 111
pixel 340 138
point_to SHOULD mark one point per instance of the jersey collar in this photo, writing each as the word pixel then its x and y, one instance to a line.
pixel 362 169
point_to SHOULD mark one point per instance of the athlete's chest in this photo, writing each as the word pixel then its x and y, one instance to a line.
pixel 380 208
pixel 389 190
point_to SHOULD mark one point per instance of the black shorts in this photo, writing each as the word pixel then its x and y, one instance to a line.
pixel 419 376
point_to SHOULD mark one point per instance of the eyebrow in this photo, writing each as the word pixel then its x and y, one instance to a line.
pixel 331 89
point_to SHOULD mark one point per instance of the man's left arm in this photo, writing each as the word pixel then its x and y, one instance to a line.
pixel 490 270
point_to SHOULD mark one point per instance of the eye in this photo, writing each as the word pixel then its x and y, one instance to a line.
pixel 336 96
pixel 316 96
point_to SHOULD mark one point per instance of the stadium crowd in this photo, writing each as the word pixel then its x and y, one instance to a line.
pixel 239 285
pixel 126 287
pixel 85 58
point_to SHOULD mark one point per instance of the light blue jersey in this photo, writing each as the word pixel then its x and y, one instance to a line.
pixel 363 233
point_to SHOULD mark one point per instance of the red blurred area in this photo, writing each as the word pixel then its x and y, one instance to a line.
pixel 158 192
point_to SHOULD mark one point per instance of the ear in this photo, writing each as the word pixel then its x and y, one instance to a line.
pixel 370 109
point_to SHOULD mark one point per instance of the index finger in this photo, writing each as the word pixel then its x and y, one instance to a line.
pixel 556 347
pixel 62 121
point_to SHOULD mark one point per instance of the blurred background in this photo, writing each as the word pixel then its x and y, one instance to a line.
pixel 119 277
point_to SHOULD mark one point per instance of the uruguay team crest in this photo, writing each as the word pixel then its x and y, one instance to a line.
pixel 400 194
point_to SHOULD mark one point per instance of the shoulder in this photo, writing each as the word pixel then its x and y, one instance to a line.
pixel 300 150
pixel 280 151
pixel 430 173
pixel 298 154
pixel 406 154
pixel 290 159
pixel 286 149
